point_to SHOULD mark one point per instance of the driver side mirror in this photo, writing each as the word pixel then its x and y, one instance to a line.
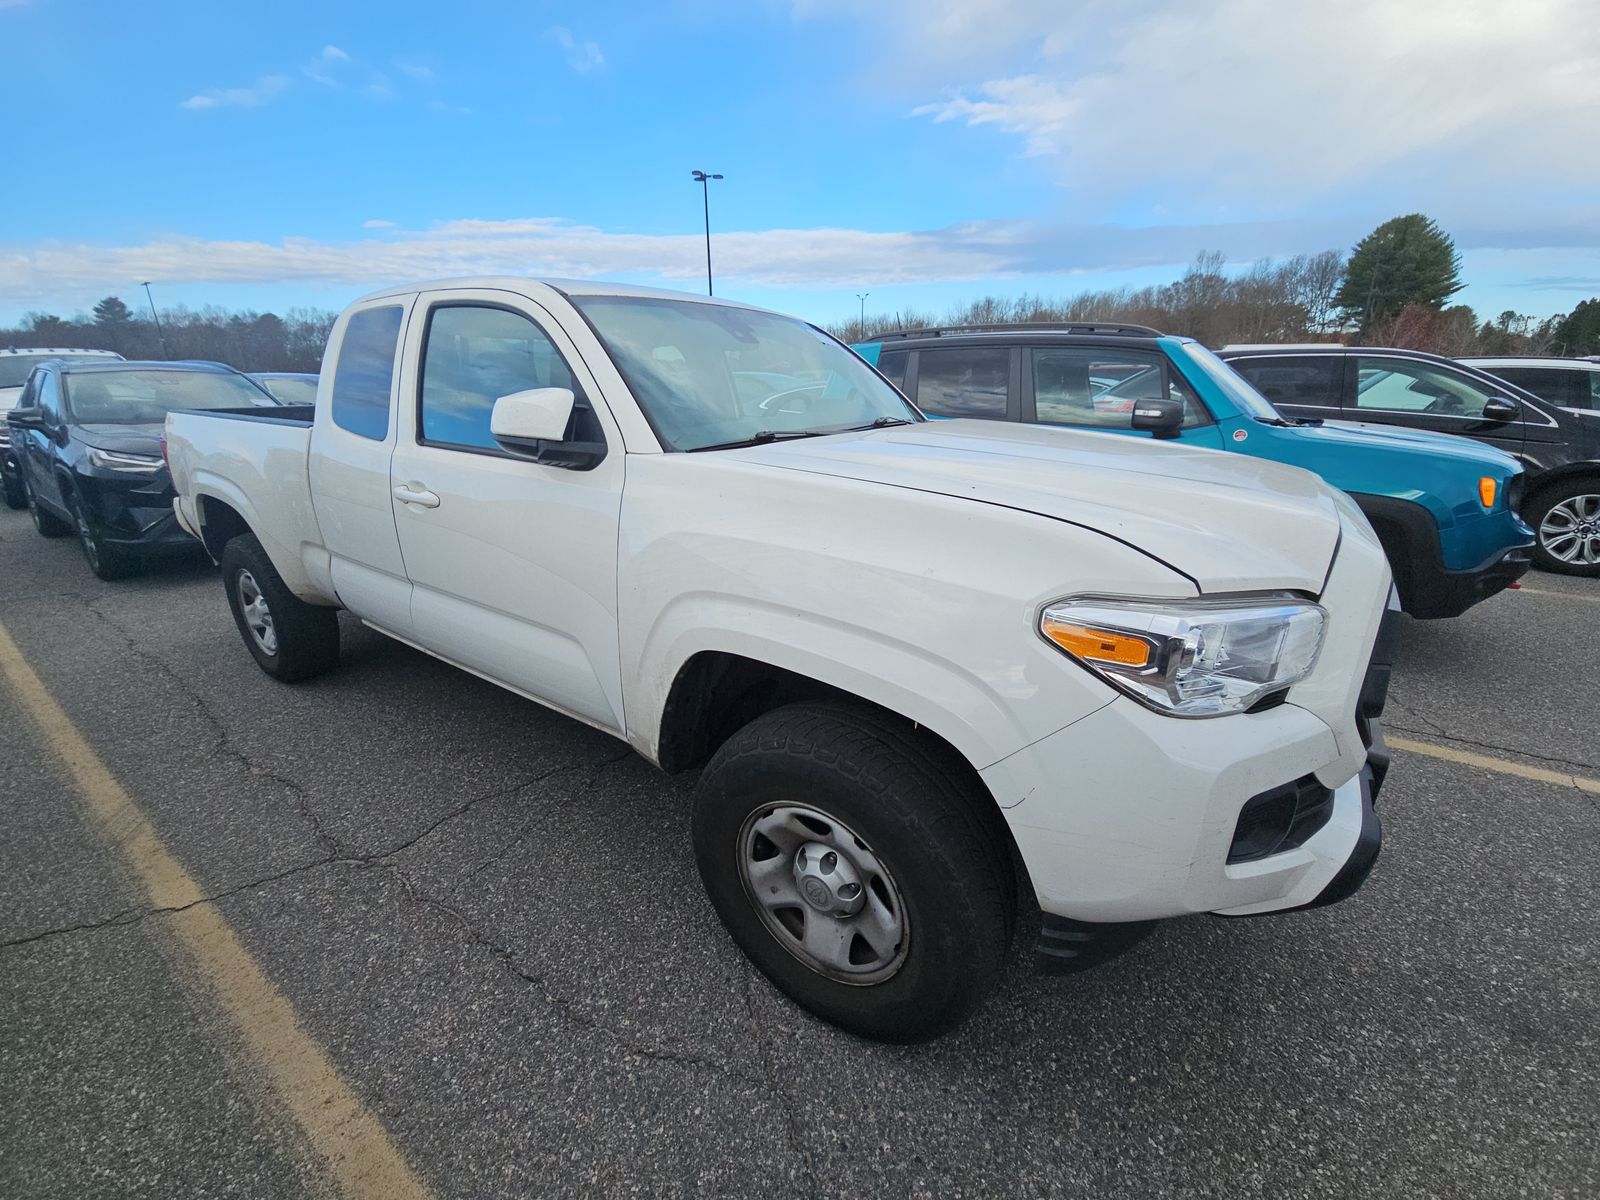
pixel 1500 409
pixel 1159 418
pixel 532 424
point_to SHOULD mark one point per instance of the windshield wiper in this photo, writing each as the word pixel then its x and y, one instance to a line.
pixel 885 422
pixel 1290 422
pixel 762 437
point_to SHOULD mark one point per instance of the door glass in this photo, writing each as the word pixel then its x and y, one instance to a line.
pixel 892 366
pixel 365 372
pixel 964 382
pixel 1311 380
pixel 473 356
pixel 1396 385
pixel 1569 389
pixel 1097 388
pixel 50 399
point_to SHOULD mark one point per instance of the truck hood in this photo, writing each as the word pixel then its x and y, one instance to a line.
pixel 9 398
pixel 1228 522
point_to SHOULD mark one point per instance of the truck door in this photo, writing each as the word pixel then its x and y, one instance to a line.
pixel 512 563
pixel 352 441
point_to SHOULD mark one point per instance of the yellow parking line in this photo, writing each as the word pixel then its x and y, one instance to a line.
pixel 1528 591
pixel 359 1154
pixel 1490 763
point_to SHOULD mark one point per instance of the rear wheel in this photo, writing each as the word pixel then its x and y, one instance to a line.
pixel 1566 518
pixel 48 526
pixel 289 639
pixel 857 864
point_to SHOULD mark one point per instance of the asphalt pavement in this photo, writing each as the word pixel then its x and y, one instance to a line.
pixel 487 917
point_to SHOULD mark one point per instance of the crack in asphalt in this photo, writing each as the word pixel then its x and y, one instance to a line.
pixel 769 1081
pixel 1492 747
pixel 222 738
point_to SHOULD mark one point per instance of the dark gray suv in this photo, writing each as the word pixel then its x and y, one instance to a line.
pixel 1559 447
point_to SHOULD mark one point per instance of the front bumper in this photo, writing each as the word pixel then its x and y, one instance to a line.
pixel 135 516
pixel 1445 593
pixel 1135 816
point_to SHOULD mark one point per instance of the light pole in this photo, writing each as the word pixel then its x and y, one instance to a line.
pixel 862 296
pixel 160 337
pixel 703 180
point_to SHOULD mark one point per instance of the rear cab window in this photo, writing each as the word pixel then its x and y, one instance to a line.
pixel 364 375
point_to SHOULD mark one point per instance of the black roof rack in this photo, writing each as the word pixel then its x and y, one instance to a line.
pixel 1102 327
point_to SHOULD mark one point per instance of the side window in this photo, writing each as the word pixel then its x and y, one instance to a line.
pixel 474 355
pixel 365 372
pixel 1096 388
pixel 964 382
pixel 49 397
pixel 1570 389
pixel 1395 385
pixel 1312 380
pixel 892 366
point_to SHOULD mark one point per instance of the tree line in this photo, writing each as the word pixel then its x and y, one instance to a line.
pixel 250 341
pixel 1394 289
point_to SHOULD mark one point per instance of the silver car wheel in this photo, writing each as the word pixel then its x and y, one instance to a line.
pixel 1570 531
pixel 823 894
pixel 257 616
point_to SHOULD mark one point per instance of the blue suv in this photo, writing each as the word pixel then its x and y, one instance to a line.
pixel 1445 508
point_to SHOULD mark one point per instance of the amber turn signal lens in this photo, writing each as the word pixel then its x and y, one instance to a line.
pixel 1486 490
pixel 1098 645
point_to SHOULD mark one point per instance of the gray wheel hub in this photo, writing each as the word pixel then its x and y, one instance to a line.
pixel 1570 531
pixel 823 894
pixel 257 616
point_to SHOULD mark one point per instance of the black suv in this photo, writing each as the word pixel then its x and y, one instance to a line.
pixel 1559 448
pixel 87 439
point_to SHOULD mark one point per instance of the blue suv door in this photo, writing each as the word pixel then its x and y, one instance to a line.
pixel 1096 387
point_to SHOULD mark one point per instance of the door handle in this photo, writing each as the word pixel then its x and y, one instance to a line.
pixel 418 495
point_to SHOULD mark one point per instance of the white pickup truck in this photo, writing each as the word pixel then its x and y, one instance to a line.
pixel 936 673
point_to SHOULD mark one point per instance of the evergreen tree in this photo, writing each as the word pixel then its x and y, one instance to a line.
pixel 1402 262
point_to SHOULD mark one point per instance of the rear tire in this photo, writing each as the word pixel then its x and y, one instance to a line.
pixel 814 807
pixel 1566 519
pixel 289 639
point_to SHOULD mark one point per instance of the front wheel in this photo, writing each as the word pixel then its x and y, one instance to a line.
pixel 860 867
pixel 107 561
pixel 289 639
pixel 48 526
pixel 15 496
pixel 1567 520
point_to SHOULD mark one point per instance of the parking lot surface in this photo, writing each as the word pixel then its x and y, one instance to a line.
pixel 487 921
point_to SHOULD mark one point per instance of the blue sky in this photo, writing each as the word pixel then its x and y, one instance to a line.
pixel 290 154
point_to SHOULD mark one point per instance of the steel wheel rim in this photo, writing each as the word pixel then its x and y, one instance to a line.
pixel 257 616
pixel 805 902
pixel 1570 531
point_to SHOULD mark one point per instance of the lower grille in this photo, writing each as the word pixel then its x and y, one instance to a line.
pixel 1280 819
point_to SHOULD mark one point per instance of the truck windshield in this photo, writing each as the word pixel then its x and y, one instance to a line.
pixel 143 397
pixel 710 375
pixel 1251 402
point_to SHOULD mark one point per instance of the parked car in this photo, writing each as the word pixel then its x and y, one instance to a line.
pixel 1559 448
pixel 87 436
pixel 1444 509
pixel 1572 383
pixel 15 366
pixel 290 387
pixel 908 655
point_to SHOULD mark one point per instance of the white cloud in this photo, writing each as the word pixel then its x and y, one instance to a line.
pixel 414 70
pixel 375 223
pixel 780 258
pixel 325 68
pixel 258 93
pixel 582 56
pixel 1253 106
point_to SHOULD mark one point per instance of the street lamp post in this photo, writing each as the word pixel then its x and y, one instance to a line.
pixel 160 337
pixel 862 296
pixel 703 180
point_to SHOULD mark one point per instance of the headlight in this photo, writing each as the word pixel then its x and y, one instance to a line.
pixel 1191 658
pixel 116 460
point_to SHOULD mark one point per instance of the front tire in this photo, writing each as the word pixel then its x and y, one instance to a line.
pixel 108 562
pixel 48 526
pixel 289 639
pixel 1566 518
pixel 860 866
pixel 15 497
